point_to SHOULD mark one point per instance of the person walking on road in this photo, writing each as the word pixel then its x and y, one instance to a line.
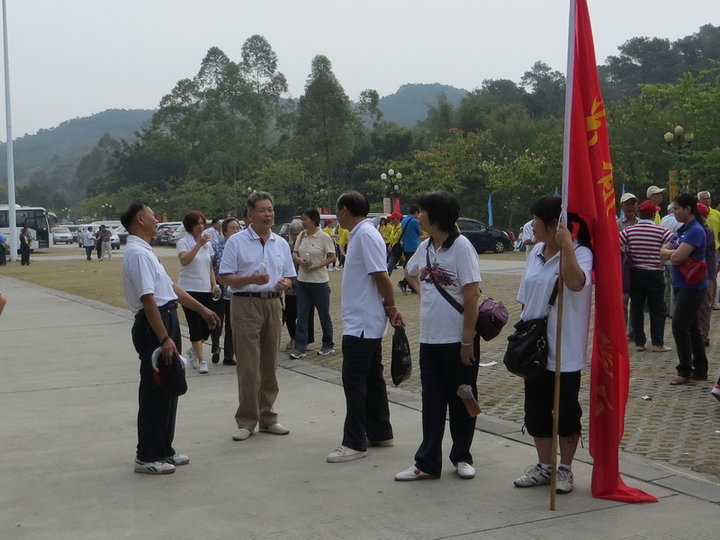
pixel 153 297
pixel 88 243
pixel 368 303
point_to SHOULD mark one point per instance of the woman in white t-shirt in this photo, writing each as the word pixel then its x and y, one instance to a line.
pixel 541 274
pixel 197 277
pixel 312 252
pixel 449 348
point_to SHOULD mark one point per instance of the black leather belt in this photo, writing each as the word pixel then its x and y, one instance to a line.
pixel 263 295
pixel 162 309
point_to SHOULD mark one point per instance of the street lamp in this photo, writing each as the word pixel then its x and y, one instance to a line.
pixel 678 140
pixel 391 203
pixel 66 211
pixel 107 209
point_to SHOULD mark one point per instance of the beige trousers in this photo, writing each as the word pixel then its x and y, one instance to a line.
pixel 256 326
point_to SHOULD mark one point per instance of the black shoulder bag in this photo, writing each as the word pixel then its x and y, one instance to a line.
pixel 527 350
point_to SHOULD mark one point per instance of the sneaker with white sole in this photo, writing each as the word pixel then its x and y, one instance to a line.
pixel 192 358
pixel 534 475
pixel 177 460
pixel 153 467
pixel 716 392
pixel 413 473
pixel 564 481
pixel 203 367
pixel 242 434
pixel 275 429
pixel 325 351
pixel 660 348
pixel 465 470
pixel 295 355
pixel 344 453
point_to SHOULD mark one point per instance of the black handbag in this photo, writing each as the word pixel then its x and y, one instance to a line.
pixel 527 350
pixel 401 363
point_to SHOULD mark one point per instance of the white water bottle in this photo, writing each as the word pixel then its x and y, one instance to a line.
pixel 262 268
pixel 308 263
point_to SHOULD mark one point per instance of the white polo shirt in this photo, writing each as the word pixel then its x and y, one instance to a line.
pixel 245 252
pixel 144 274
pixel 362 307
pixel 196 275
pixel 454 265
pixel 535 289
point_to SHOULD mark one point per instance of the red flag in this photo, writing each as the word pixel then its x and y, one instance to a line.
pixel 589 191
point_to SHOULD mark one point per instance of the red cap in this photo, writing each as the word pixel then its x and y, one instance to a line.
pixel 647 207
pixel 703 209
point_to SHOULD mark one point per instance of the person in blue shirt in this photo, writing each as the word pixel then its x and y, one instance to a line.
pixel 3 245
pixel 689 290
pixel 410 239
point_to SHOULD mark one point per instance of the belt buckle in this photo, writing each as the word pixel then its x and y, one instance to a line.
pixel 265 295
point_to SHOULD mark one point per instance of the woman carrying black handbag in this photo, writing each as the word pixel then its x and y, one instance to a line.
pixel 541 275
pixel 449 349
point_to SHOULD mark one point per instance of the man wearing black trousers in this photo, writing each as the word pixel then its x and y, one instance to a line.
pixel 153 298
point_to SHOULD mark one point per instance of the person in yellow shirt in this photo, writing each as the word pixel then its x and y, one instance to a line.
pixel 343 236
pixel 713 221
pixel 386 230
pixel 655 194
pixel 329 228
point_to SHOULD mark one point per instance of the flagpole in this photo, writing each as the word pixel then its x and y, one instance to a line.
pixel 563 219
pixel 14 241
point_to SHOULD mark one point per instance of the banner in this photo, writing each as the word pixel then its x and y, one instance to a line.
pixel 589 192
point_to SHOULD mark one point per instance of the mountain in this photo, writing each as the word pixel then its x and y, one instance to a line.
pixel 409 104
pixel 69 141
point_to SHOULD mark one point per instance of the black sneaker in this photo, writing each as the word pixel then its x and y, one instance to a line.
pixel 215 357
pixel 403 286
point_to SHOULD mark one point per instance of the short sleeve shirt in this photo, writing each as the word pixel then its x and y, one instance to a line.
pixel 535 290
pixel 195 276
pixel 246 252
pixel 144 274
pixel 452 266
pixel 694 234
pixel 362 306
pixel 314 247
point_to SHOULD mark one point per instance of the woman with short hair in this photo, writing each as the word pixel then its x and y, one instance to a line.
pixel 197 277
pixel 449 347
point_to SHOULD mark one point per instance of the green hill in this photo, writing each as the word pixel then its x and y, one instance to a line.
pixel 409 104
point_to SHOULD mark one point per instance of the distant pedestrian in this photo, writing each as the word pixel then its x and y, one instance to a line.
pixel 410 238
pixel 88 243
pixel 229 227
pixel 105 237
pixel 368 303
pixel 153 297
pixel 24 247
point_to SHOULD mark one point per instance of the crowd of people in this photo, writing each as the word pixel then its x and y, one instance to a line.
pixel 251 281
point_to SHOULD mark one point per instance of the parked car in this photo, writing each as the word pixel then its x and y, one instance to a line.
pixel 176 235
pixel 62 235
pixel 114 239
pixel 482 237
pixel 122 234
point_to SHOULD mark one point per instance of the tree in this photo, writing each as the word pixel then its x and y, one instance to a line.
pixel 326 123
pixel 369 109
pixel 547 90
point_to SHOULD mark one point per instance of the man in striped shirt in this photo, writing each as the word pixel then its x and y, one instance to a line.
pixel 643 242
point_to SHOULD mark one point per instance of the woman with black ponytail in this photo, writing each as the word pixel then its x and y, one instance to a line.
pixel 690 284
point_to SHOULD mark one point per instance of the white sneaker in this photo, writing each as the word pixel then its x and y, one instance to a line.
pixel 153 467
pixel 344 453
pixel 465 470
pixel 275 429
pixel 413 473
pixel 564 481
pixel 325 351
pixel 177 460
pixel 192 358
pixel 295 355
pixel 660 348
pixel 242 434
pixel 534 475
pixel 202 367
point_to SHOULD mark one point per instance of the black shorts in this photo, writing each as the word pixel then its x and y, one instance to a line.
pixel 539 404
pixel 199 330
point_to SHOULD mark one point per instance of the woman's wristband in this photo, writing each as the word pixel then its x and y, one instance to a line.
pixel 466 344
pixel 163 340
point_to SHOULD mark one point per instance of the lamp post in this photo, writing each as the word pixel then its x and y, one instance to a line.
pixel 677 139
pixel 66 211
pixel 160 202
pixel 391 203
pixel 107 208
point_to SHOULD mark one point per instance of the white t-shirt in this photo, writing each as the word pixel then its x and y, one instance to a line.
pixel 144 274
pixel 245 253
pixel 535 289
pixel 528 233
pixel 196 275
pixel 315 247
pixel 362 307
pixel 453 266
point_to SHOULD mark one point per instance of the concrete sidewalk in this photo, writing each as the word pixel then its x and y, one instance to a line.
pixel 68 397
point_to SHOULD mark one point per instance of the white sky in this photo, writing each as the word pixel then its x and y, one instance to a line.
pixel 71 58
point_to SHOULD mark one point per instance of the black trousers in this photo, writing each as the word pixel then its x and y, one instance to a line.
pixel 156 411
pixel 441 372
pixel 368 414
pixel 24 255
pixel 222 308
pixel 647 285
pixel 686 332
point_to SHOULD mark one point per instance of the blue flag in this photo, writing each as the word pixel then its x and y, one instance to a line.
pixel 490 211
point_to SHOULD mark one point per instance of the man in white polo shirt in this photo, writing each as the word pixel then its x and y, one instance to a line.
pixel 368 303
pixel 152 297
pixel 257 267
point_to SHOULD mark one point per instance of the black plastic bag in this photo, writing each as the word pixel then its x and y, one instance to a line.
pixel 401 364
